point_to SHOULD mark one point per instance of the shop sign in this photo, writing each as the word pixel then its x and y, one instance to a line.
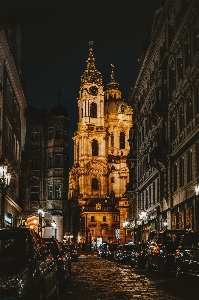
pixel 8 219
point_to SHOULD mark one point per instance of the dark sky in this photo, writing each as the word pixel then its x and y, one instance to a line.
pixel 55 37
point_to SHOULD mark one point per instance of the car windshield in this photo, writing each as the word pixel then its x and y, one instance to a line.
pixel 13 243
pixel 113 246
pixel 52 247
pixel 129 247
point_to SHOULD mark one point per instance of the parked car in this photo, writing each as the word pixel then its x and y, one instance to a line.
pixel 138 255
pixel 27 268
pixel 160 252
pixel 187 255
pixel 101 251
pixel 124 252
pixel 117 253
pixel 72 251
pixel 111 248
pixel 62 259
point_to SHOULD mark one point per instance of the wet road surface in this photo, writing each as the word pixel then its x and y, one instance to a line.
pixel 93 278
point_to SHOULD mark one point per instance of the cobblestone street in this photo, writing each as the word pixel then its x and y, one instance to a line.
pixel 99 279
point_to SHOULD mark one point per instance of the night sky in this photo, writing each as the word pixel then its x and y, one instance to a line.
pixel 55 38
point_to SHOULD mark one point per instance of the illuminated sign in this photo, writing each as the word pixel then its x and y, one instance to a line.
pixel 8 219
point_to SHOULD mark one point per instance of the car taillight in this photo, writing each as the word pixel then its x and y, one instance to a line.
pixel 178 252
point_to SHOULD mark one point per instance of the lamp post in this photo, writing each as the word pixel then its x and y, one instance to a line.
pixel 142 217
pixel 125 225
pixel 197 193
pixel 40 214
pixel 54 225
pixel 4 184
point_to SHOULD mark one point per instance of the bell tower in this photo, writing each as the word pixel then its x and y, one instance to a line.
pixel 90 147
pixel 101 141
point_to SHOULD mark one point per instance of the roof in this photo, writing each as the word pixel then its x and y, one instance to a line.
pixel 106 205
pixel 58 111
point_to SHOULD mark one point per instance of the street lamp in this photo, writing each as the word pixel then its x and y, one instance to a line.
pixel 4 183
pixel 125 225
pixel 54 225
pixel 142 217
pixel 40 214
pixel 196 204
pixel 197 187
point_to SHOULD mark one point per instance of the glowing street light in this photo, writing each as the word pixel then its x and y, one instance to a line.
pixel 40 214
pixel 4 184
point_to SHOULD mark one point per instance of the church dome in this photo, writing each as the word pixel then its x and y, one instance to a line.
pixel 58 111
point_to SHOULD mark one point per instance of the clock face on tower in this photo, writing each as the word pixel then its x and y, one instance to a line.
pixel 93 90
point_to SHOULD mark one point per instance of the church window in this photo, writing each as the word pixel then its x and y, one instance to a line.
pixel 94 148
pixel 93 110
pixel 65 134
pixel 116 218
pixel 58 132
pixel 103 218
pixel 122 140
pixel 112 140
pixel 112 180
pixel 92 219
pixel 50 133
pixel 95 184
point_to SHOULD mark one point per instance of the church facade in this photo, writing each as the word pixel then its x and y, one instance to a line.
pixel 101 142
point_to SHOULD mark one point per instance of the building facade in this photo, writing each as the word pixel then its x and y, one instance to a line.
pixel 164 156
pixel 45 170
pixel 12 117
pixel 101 140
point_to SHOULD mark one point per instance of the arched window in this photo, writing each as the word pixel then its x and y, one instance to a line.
pixel 112 140
pixel 95 184
pixel 93 110
pixel 94 148
pixel 122 140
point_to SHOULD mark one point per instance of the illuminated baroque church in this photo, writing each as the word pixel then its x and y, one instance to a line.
pixel 101 141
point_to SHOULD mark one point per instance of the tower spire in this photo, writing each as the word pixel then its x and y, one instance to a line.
pixel 91 75
pixel 59 94
pixel 112 85
pixel 112 73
